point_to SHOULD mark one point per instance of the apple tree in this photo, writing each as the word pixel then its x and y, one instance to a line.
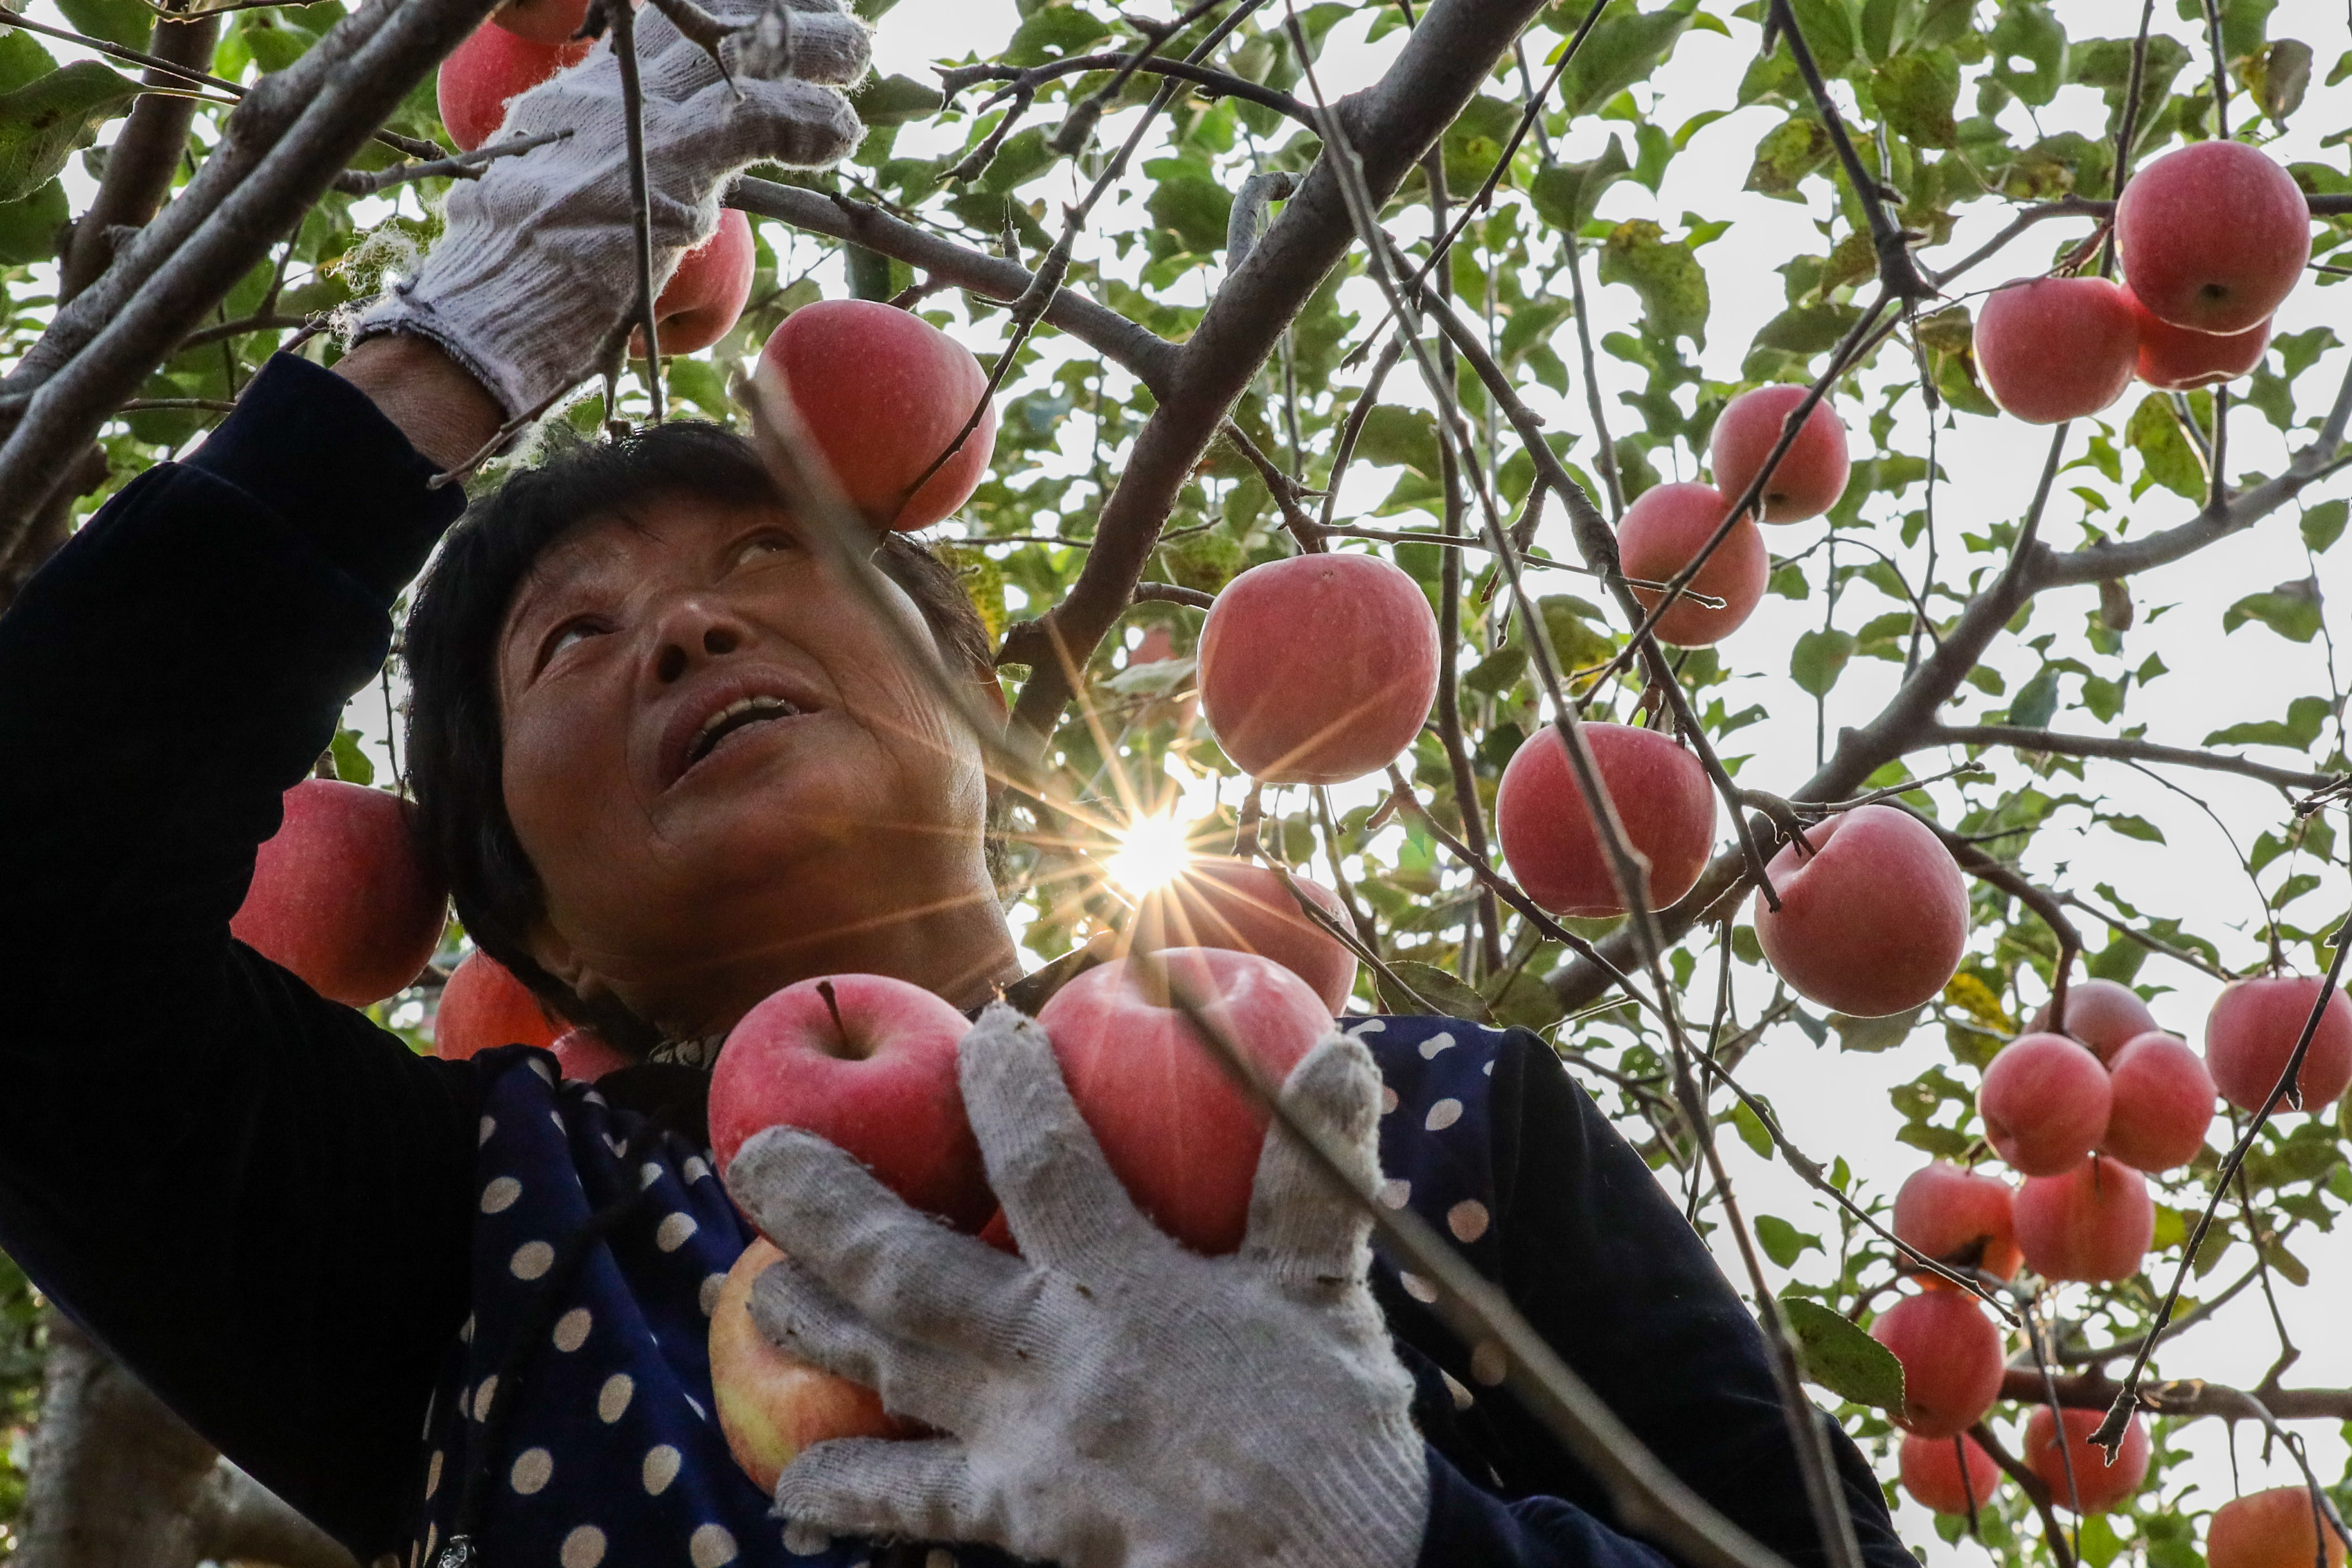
pixel 1533 302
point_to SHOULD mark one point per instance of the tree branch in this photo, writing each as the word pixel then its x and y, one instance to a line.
pixel 2188 1398
pixel 144 158
pixel 2026 739
pixel 1221 84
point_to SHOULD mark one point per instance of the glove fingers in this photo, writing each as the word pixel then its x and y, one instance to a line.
pixel 921 1490
pixel 800 1316
pixel 1301 1225
pixel 787 121
pixel 904 1270
pixel 1059 1195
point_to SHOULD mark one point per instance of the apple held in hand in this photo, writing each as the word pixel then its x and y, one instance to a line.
pixel 771 1405
pixel 2045 1103
pixel 2056 348
pixel 340 895
pixel 865 1062
pixel 1931 1472
pixel 1809 477
pixel 1234 904
pixel 879 394
pixel 2274 1528
pixel 1956 1217
pixel 1951 1360
pixel 2176 359
pixel 2093 1223
pixel 2163 1104
pixel 485 1006
pixel 1664 531
pixel 704 298
pixel 2079 1473
pixel 491 66
pixel 1873 921
pixel 2104 1015
pixel 1319 669
pixel 1177 1133
pixel 1552 841
pixel 2213 237
pixel 2251 1036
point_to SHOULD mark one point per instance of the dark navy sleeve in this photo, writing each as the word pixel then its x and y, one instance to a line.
pixel 1485 1135
pixel 256 1198
pixel 1469 1525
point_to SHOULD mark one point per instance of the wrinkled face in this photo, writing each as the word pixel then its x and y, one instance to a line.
pixel 729 767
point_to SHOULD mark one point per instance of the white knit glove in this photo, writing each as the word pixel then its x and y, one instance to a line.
pixel 536 266
pixel 1114 1401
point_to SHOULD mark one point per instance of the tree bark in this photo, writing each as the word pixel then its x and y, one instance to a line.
pixel 119 1482
pixel 144 158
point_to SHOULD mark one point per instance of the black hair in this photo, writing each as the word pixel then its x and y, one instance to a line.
pixel 455 746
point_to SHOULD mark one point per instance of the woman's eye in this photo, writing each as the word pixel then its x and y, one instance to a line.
pixel 565 636
pixel 761 546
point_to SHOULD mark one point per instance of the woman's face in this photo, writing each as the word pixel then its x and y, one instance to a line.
pixel 730 771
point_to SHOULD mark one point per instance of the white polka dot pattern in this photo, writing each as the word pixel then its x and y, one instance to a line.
pixel 484 1396
pixel 613 1399
pixel 530 1260
pixel 532 1468
pixel 708 1298
pixel 672 1231
pixel 1463 1398
pixel 1395 1194
pixel 571 1329
pixel 711 1546
pixel 1434 1043
pixel 501 1193
pixel 659 1469
pixel 1467 1220
pixel 1443 1115
pixel 584 1548
pixel 433 1473
pixel 1490 1364
pixel 489 1125
pixel 1417 1287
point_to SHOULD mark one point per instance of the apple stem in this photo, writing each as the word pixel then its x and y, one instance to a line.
pixel 825 989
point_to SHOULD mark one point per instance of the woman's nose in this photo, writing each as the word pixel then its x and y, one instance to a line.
pixel 693 635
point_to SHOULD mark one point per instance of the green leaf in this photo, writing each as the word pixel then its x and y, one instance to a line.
pixel 352 764
pixel 1916 92
pixel 1819 659
pixel 126 22
pixel 1195 207
pixel 42 122
pixel 1843 1357
pixel 2291 609
pixel 2279 74
pixel 2305 716
pixel 1403 436
pixel 1666 275
pixel 2036 700
pixel 2154 432
pixel 30 228
pixel 1871 1036
pixel 1807 329
pixel 1526 1003
pixel 2137 827
pixel 1576 631
pixel 894 100
pixel 698 382
pixel 1755 1135
pixel 1789 151
pixel 1444 994
pixel 2322 524
pixel 1565 193
pixel 1055 30
pixel 22 59
pixel 1620 51
pixel 1784 1242
pixel 1498 671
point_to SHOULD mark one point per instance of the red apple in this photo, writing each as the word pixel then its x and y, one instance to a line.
pixel 542 21
pixel 1950 1215
pixel 1874 922
pixel 2096 1484
pixel 2104 1015
pixel 1319 669
pixel 2251 1032
pixel 2163 1104
pixel 491 66
pixel 2056 348
pixel 2175 359
pixel 2044 1102
pixel 1180 1135
pixel 1930 1468
pixel 1234 904
pixel 1951 1360
pixel 1552 841
pixel 341 894
pixel 1809 477
pixel 1664 531
pixel 2093 1223
pixel 585 1057
pixel 879 394
pixel 704 298
pixel 772 1405
pixel 2274 1528
pixel 2212 237
pixel 866 1062
pixel 485 1006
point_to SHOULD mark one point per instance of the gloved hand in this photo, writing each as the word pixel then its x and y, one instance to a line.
pixel 1112 1400
pixel 536 266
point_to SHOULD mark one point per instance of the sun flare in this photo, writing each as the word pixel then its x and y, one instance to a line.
pixel 1152 852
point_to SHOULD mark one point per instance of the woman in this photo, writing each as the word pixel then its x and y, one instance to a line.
pixel 672 759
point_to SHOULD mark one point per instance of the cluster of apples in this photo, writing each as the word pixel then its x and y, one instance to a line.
pixel 2212 238
pixel 868 1063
